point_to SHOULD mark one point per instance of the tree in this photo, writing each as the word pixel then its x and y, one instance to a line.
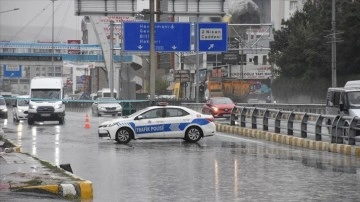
pixel 161 86
pixel 300 49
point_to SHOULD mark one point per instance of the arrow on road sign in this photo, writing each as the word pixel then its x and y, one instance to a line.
pixel 140 47
pixel 211 46
pixel 173 47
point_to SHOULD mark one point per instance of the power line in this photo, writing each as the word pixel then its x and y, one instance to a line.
pixel 27 24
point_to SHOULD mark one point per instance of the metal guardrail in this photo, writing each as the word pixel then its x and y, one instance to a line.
pixel 340 129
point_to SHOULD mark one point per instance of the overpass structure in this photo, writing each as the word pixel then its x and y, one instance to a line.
pixel 89 57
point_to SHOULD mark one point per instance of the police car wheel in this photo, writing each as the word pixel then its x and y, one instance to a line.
pixel 123 135
pixel 193 134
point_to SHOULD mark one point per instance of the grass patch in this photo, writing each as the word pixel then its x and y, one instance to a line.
pixel 53 168
pixel 34 182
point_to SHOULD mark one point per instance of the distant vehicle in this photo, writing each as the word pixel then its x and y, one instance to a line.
pixel 159 122
pixel 105 92
pixel 3 108
pixel 20 108
pixel 8 96
pixel 166 97
pixel 343 102
pixel 106 105
pixel 218 107
pixel 46 103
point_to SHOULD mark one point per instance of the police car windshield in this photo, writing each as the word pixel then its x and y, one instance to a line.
pixel 354 98
pixel 139 112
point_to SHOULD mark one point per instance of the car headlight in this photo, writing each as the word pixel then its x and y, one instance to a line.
pixel 32 107
pixel 20 110
pixel 107 125
pixel 119 108
pixel 102 108
pixel 215 109
pixel 58 106
pixel 5 110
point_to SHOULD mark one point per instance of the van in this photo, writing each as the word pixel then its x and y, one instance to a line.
pixel 343 101
pixel 106 92
pixel 46 100
pixel 352 84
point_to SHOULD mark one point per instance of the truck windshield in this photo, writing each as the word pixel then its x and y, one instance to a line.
pixel 354 98
pixel 45 94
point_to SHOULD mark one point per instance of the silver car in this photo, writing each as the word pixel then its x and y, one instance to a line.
pixel 106 106
pixel 20 108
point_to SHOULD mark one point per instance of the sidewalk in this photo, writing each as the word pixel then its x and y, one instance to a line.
pixel 21 172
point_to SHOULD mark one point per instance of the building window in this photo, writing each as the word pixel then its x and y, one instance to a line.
pixel 264 60
pixel 256 60
pixel 293 5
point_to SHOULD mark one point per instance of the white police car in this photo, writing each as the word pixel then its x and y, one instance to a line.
pixel 158 122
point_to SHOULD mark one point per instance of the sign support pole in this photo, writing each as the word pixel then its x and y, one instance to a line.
pixel 111 82
pixel 153 62
pixel 197 95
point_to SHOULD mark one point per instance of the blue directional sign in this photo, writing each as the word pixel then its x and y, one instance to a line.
pixel 213 37
pixel 169 36
pixel 12 71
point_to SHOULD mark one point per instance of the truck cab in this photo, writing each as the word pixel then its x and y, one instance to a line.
pixel 46 100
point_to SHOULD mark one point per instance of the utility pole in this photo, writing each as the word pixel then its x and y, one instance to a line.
pixel 333 47
pixel 52 38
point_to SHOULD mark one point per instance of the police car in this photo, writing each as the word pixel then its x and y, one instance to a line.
pixel 158 122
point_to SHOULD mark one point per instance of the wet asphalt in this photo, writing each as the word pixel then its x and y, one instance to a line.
pixel 219 168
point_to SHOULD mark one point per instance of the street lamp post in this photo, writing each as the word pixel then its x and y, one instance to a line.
pixel 14 9
pixel 5 11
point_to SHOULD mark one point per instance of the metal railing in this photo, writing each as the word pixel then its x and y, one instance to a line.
pixel 337 129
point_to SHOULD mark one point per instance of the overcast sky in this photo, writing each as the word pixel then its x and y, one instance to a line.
pixel 39 13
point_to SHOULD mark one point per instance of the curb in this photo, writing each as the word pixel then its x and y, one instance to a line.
pixel 76 190
pixel 81 189
pixel 349 150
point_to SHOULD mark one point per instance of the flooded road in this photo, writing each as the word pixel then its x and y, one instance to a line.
pixel 219 168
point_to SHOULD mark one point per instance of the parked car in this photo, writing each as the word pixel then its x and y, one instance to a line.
pixel 20 108
pixel 106 105
pixel 3 108
pixel 218 107
pixel 159 122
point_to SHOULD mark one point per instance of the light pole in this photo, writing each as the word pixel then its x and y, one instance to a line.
pixel 241 58
pixel 52 37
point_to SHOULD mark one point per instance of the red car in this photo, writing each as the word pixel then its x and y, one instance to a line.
pixel 218 107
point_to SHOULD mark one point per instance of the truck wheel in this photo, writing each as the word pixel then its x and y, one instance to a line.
pixel 30 121
pixel 62 121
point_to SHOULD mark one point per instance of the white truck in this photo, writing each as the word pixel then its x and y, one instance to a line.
pixel 46 100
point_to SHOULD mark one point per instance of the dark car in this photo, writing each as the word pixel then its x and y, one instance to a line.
pixel 3 108
pixel 218 107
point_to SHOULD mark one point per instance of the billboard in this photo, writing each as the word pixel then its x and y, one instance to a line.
pixel 12 71
pixel 74 49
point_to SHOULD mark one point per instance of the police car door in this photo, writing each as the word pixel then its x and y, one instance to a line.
pixel 151 124
pixel 176 122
